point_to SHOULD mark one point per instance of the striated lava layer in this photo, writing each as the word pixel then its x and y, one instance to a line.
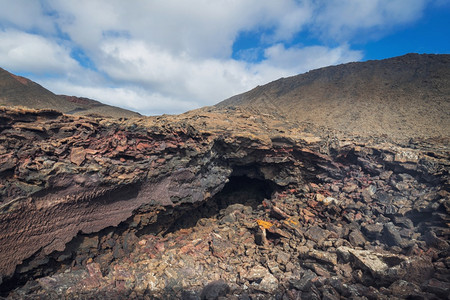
pixel 234 203
pixel 62 175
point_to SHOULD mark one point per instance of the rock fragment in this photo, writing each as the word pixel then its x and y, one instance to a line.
pixel 77 155
pixel 214 290
pixel 391 235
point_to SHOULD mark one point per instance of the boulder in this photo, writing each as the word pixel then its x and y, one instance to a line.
pixel 387 267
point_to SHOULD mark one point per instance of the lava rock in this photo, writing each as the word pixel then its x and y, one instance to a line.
pixel 405 289
pixel 440 288
pixel 356 238
pixel 373 231
pixel 324 256
pixel 268 284
pixel 434 241
pixel 317 234
pixel 305 282
pixel 403 221
pixel 391 235
pixel 382 197
pixel 214 290
pixel 256 273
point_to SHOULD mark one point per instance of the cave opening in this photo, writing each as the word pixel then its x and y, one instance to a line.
pixel 239 189
pixel 110 242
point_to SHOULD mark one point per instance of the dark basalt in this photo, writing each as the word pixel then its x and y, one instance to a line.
pixel 81 205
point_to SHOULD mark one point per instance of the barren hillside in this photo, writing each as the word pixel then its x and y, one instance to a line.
pixel 401 97
pixel 251 199
pixel 20 91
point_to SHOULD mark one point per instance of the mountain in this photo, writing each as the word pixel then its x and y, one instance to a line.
pixel 401 97
pixel 20 91
pixel 247 200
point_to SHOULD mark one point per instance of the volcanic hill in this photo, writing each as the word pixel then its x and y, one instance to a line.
pixel 400 97
pixel 283 192
pixel 20 91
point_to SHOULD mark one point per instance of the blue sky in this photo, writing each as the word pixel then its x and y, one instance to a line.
pixel 172 56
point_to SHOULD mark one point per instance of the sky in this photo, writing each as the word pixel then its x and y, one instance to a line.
pixel 172 56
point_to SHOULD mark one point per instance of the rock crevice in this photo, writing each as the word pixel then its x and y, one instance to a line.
pixel 276 211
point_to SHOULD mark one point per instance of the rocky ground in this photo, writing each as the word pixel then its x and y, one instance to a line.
pixel 219 205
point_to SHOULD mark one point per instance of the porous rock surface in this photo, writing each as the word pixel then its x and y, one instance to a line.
pixel 214 204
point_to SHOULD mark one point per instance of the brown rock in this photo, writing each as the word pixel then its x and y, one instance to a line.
pixel 405 289
pixel 390 267
pixel 317 234
pixel 356 238
pixel 256 273
pixel 77 155
pixel 268 284
pixel 327 257
pixel 350 187
pixel 220 247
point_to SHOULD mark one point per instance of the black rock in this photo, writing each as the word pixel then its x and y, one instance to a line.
pixel 433 241
pixel 214 290
pixel 383 197
pixel 189 295
pixel 305 282
pixel 391 235
pixel 403 221
pixel 373 231
pixel 440 288
pixel 317 234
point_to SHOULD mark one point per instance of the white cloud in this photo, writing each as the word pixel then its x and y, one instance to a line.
pixel 200 28
pixel 341 20
pixel 170 56
pixel 132 98
pixel 180 76
pixel 25 15
pixel 152 81
pixel 297 59
pixel 23 52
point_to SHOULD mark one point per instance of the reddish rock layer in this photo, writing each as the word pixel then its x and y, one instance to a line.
pixel 63 177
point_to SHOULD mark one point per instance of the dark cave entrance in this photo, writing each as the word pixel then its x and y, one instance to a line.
pixel 238 190
pixel 244 190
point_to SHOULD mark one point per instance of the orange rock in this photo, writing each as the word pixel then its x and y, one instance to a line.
pixel 91 151
pixel 77 155
pixel 264 224
pixel 142 146
pixel 121 148
pixel 308 213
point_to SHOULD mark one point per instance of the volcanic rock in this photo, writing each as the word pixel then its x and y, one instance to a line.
pixel 228 201
pixel 214 290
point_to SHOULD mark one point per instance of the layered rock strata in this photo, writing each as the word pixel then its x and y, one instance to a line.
pixel 250 204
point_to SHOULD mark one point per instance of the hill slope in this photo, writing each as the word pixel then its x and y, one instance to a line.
pixel 402 97
pixel 225 202
pixel 19 91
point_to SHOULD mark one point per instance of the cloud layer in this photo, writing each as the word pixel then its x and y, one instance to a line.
pixel 171 56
